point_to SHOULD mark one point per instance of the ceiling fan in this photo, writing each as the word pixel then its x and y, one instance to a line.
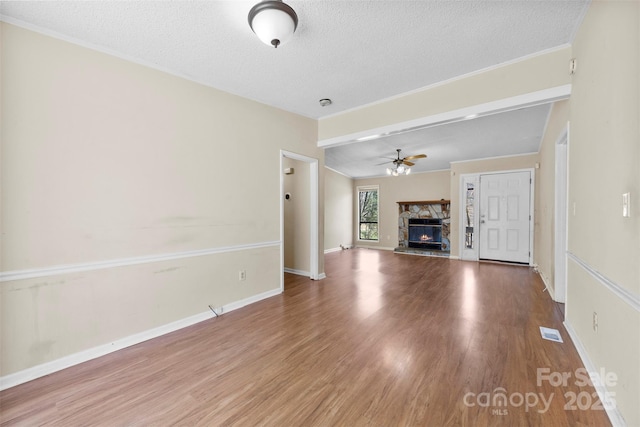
pixel 400 164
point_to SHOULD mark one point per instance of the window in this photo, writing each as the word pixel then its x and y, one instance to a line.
pixel 470 204
pixel 368 213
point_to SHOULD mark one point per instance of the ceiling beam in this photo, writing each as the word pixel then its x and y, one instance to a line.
pixel 532 99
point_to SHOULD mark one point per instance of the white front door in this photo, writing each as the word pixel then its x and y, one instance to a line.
pixel 505 216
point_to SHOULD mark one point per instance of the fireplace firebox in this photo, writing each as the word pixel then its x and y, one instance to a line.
pixel 425 233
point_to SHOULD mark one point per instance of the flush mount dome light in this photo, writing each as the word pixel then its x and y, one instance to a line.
pixel 273 21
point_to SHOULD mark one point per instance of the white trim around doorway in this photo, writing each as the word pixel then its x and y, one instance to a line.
pixel 474 253
pixel 314 272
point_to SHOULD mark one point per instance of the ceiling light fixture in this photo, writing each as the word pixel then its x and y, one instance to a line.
pixel 399 170
pixel 325 101
pixel 273 21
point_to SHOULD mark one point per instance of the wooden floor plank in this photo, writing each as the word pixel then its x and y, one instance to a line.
pixel 384 340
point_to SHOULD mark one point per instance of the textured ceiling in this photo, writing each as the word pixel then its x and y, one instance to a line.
pixel 354 52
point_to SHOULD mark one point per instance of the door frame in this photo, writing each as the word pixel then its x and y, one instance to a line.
pixel 314 273
pixel 561 216
pixel 474 254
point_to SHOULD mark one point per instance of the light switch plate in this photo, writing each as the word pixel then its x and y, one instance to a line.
pixel 626 205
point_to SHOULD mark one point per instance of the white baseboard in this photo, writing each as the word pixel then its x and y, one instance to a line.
pixel 616 418
pixel 382 248
pixel 47 368
pixel 304 273
pixel 250 300
pixel 298 272
pixel 546 284
pixel 339 248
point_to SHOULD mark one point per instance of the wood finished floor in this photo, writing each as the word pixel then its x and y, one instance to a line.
pixel 384 340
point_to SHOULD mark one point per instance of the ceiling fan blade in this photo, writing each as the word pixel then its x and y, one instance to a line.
pixel 417 156
pixel 408 163
pixel 384 163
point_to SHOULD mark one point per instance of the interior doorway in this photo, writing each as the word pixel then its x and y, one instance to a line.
pixel 296 217
pixel 312 212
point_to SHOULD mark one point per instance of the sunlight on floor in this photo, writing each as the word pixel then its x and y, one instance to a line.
pixel 369 286
pixel 469 297
pixel 398 359
pixel 469 303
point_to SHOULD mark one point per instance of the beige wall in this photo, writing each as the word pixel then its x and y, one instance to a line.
pixel 103 160
pixel 420 186
pixel 532 74
pixel 604 163
pixel 605 141
pixel 338 206
pixel 479 166
pixel 543 247
pixel 297 221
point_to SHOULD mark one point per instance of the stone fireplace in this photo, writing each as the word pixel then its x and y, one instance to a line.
pixel 423 227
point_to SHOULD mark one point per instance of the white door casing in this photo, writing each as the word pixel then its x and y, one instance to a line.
pixel 560 218
pixel 505 217
pixel 313 227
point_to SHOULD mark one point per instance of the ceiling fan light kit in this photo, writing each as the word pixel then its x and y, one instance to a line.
pixel 402 166
pixel 273 21
pixel 398 170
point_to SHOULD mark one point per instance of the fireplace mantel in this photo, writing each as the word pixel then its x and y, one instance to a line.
pixel 442 202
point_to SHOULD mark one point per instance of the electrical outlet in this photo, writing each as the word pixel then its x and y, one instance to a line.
pixel 242 275
pixel 595 322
